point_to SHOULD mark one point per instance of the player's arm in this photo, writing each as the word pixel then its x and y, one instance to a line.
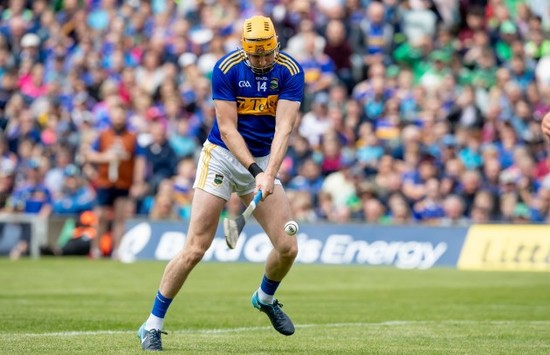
pixel 226 113
pixel 287 112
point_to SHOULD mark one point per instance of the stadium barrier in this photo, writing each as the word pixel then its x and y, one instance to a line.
pixel 413 247
pixel 478 247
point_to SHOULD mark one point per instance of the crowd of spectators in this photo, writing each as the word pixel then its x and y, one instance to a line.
pixel 418 111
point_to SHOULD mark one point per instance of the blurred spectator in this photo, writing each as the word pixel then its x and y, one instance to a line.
pixel 309 177
pixel 163 205
pixel 120 174
pixel 7 182
pixel 340 186
pixel 377 36
pixel 160 157
pixel 30 196
pixel 374 211
pixel 340 51
pixel 316 122
pixel 454 212
pixel 319 69
pixel 183 186
pixel 75 196
pixel 430 208
pixel 301 203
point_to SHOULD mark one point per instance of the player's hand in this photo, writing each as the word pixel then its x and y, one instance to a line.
pixel 545 125
pixel 265 183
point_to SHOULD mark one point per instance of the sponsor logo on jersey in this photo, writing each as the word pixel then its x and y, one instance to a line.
pixel 244 84
pixel 257 105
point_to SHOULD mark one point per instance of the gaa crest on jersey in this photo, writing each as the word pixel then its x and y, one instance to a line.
pixel 274 84
pixel 218 179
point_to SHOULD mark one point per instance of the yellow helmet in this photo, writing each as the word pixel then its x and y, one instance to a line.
pixel 259 38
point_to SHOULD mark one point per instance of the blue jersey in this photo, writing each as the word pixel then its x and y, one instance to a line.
pixel 256 97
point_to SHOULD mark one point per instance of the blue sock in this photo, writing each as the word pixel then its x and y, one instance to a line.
pixel 269 286
pixel 161 305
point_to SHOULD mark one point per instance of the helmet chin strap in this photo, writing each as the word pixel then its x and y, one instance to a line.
pixel 255 70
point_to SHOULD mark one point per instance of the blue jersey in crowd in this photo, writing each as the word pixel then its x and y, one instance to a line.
pixel 256 97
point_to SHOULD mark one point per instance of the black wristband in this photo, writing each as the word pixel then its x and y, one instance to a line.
pixel 255 169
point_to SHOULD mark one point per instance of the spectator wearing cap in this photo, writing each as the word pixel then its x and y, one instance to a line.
pixel 437 68
pixel 30 49
pixel 521 214
pixel 76 196
pixel 507 33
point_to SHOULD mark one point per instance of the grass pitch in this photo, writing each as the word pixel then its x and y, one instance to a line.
pixel 67 306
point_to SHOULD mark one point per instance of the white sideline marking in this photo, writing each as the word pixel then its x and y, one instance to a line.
pixel 248 329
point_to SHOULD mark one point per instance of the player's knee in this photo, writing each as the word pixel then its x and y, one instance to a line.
pixel 288 251
pixel 193 254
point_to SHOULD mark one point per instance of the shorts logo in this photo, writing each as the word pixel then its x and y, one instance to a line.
pixel 218 179
pixel 274 84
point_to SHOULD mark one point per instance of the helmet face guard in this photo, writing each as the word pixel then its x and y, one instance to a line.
pixel 259 40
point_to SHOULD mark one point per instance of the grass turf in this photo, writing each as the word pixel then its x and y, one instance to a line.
pixel 66 306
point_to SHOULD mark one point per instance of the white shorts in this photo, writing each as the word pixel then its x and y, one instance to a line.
pixel 220 173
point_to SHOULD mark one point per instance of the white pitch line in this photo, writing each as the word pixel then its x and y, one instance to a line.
pixel 249 329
